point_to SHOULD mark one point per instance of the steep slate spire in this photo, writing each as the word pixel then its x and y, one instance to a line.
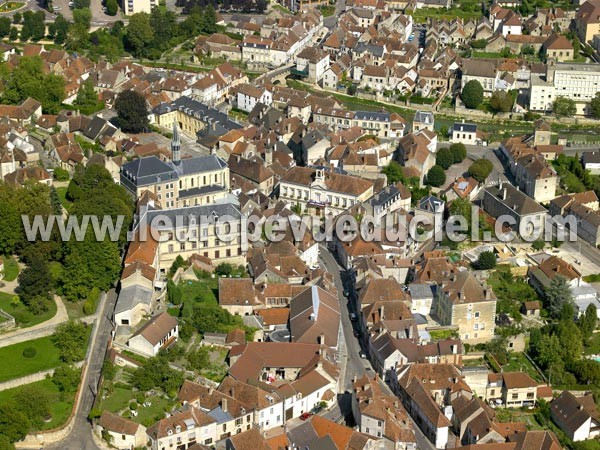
pixel 175 145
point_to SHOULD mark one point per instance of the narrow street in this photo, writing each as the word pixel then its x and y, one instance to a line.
pixel 80 437
pixel 354 364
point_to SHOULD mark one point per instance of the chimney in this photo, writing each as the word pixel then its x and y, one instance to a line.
pixel 504 194
pixel 322 339
pixel 381 310
pixel 224 405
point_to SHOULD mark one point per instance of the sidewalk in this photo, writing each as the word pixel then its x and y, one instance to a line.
pixel 37 331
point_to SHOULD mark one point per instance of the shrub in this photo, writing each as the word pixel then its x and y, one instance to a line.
pixel 133 406
pixel 29 352
pixel 472 94
pixel 88 308
pixel 61 174
pixel 140 398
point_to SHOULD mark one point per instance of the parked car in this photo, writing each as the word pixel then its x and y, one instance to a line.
pixel 363 355
pixel 305 416
pixel 356 333
pixel 353 317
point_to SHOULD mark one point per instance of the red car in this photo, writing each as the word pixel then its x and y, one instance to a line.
pixel 305 416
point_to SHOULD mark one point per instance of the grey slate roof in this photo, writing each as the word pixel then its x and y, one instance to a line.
pixel 371 115
pixel 418 291
pixel 423 117
pixel 217 123
pixel 201 213
pixel 516 200
pixel 466 127
pixel 132 296
pixel 151 170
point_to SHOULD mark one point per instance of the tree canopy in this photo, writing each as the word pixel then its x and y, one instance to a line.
pixel 436 176
pixel 564 107
pixel 485 261
pixel 28 79
pixel 472 94
pixel 595 106
pixel 480 169
pixel 132 111
pixel 501 101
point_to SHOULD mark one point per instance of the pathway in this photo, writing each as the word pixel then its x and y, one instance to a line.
pixel 37 331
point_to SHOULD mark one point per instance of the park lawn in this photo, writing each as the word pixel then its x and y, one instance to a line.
pixel 22 315
pixel 518 362
pixel 118 400
pixel 62 196
pixel 61 404
pixel 11 269
pixel 16 365
pixel 420 15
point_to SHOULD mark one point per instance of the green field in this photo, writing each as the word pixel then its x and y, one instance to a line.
pixel 11 269
pixel 21 314
pixel 16 365
pixel 60 404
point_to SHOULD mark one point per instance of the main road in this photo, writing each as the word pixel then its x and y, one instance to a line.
pixel 352 364
pixel 80 437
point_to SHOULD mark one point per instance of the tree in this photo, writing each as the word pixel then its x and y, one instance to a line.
pixel 588 321
pixel 17 17
pixel 595 106
pixel 480 169
pixel 436 176
pixel 393 172
pixel 70 339
pixel 35 283
pixel 14 34
pixel 59 29
pixel 458 151
pixel 209 24
pixel 5 443
pixel 444 131
pixel 139 34
pixel 479 43
pixel 444 158
pixel 485 261
pixel 501 101
pixel 82 17
pixel 66 378
pixel 538 245
pixel 199 359
pixel 506 52
pixel 472 94
pixel 564 107
pixel 34 27
pixel 556 295
pixel 155 373
pixel 34 402
pixel 86 99
pixel 81 4
pixel 28 79
pixel 132 112
pixel 61 174
pixel 4 26
pixel 112 7
pixel 14 424
pixel 179 262
pixel 528 50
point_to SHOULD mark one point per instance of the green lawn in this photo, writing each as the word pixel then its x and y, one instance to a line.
pixel 60 404
pixel 62 196
pixel 204 291
pixel 442 334
pixel 16 365
pixel 592 347
pixel 21 314
pixel 11 268
pixel 518 362
pixel 327 10
pixel 118 403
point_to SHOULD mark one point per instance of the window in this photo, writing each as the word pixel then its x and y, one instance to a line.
pixel 530 395
pixel 477 314
pixel 515 396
